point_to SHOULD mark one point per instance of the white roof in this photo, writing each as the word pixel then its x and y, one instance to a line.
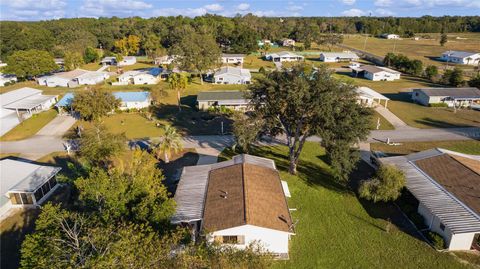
pixel 191 190
pixel 452 213
pixel 283 54
pixel 370 93
pixel 459 54
pixel 349 55
pixel 154 71
pixel 90 75
pixel 235 71
pixel 30 102
pixel 16 95
pixel 128 58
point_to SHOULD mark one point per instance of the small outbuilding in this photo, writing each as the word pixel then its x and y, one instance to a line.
pixel 232 75
pixel 230 99
pixel 232 58
pixel 330 57
pixel 460 97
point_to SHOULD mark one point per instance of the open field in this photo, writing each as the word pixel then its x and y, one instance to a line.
pixel 413 114
pixel 467 147
pixel 337 230
pixel 426 50
pixel 30 126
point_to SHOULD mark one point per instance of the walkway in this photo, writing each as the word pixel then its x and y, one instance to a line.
pixel 392 118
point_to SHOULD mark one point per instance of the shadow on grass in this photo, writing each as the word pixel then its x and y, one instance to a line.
pixel 442 124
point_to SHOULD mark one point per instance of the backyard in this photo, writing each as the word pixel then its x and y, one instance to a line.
pixel 334 229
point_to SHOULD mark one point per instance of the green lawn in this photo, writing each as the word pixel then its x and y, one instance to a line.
pixel 464 146
pixel 30 126
pixel 91 66
pixel 336 230
pixel 384 124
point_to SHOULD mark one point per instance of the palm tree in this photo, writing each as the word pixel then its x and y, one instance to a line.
pixel 171 140
pixel 178 81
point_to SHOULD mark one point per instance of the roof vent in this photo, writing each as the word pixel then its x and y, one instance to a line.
pixel 224 194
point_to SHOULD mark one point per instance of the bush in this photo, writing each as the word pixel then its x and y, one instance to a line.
pixel 385 186
pixel 436 240
pixel 438 105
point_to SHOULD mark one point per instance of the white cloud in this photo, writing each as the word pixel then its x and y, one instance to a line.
pixel 294 8
pixel 187 12
pixel 348 2
pixel 32 9
pixel 384 12
pixel 213 7
pixel 353 12
pixel 243 6
pixel 383 3
pixel 97 8
pixel 442 3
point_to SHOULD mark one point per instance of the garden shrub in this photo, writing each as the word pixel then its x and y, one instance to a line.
pixel 436 239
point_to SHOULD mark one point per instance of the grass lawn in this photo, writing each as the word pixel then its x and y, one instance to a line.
pixel 463 146
pixel 337 230
pixel 384 124
pixel 30 126
pixel 471 257
pixel 91 66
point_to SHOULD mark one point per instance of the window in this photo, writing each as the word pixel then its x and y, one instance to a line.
pixel 442 227
pixel 27 198
pixel 38 194
pixel 15 199
pixel 45 188
pixel 230 239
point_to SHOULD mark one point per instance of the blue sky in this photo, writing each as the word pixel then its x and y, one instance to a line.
pixel 53 9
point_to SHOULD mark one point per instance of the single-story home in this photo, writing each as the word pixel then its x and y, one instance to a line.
pixel 461 97
pixel 127 60
pixel 24 184
pixel 5 78
pixel 232 58
pixel 167 59
pixel 232 75
pixel 231 99
pixel 133 100
pixel 330 57
pixel 376 73
pixel 461 57
pixel 73 78
pixel 284 56
pixel 236 202
pixel 447 186
pixel 287 42
pixel 369 97
pixel 139 77
pixel 110 60
pixel 390 36
pixel 21 104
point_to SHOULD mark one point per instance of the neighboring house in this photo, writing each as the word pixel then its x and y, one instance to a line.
pixel 236 202
pixel 232 75
pixel 168 59
pixel 24 184
pixel 284 56
pixel 330 57
pixel 232 58
pixel 5 78
pixel 21 104
pixel 231 99
pixel 127 60
pixel 461 57
pixel 376 73
pixel 369 97
pixel 263 42
pixel 59 61
pixel 140 77
pixel 73 78
pixel 461 97
pixel 133 100
pixel 109 61
pixel 447 186
pixel 287 42
pixel 390 36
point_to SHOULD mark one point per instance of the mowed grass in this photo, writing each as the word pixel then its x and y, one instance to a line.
pixel 426 50
pixel 463 146
pixel 333 229
pixel 384 124
pixel 30 126
pixel 413 114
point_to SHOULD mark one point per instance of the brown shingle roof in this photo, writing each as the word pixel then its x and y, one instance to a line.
pixel 243 194
pixel 458 175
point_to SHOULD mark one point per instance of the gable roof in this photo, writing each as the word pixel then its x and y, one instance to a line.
pixel 16 95
pixel 445 183
pixel 71 74
pixel 377 69
pixel 452 92
pixel 220 95
pixel 226 55
pixel 459 54
pixel 235 71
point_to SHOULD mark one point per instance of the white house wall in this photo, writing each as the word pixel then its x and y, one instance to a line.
pixel 272 240
pixel 381 76
pixel 230 79
pixel 56 82
pixel 134 105
pixel 461 241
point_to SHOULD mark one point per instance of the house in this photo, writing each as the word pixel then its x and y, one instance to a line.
pixel 167 59
pixel 447 186
pixel 369 97
pixel 73 78
pixel 232 58
pixel 236 202
pixel 133 100
pixel 287 42
pixel 232 75
pixel 127 60
pixel 21 104
pixel 109 60
pixel 330 57
pixel 284 56
pixel 390 36
pixel 231 99
pixel 460 97
pixel 24 184
pixel 376 73
pixel 7 79
pixel 59 61
pixel 140 77
pixel 461 57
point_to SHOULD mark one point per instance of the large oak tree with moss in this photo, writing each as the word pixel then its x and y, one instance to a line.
pixel 301 102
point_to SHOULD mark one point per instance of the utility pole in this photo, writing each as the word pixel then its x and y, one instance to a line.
pixel 394 44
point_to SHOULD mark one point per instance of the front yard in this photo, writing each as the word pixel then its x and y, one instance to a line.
pixel 334 229
pixel 30 126
pixel 466 146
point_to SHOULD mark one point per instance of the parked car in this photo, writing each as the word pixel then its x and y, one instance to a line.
pixel 375 155
pixel 354 65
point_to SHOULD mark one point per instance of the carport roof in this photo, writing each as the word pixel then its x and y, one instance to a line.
pixel 29 102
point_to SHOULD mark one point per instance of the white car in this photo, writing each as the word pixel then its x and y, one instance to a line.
pixel 354 65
